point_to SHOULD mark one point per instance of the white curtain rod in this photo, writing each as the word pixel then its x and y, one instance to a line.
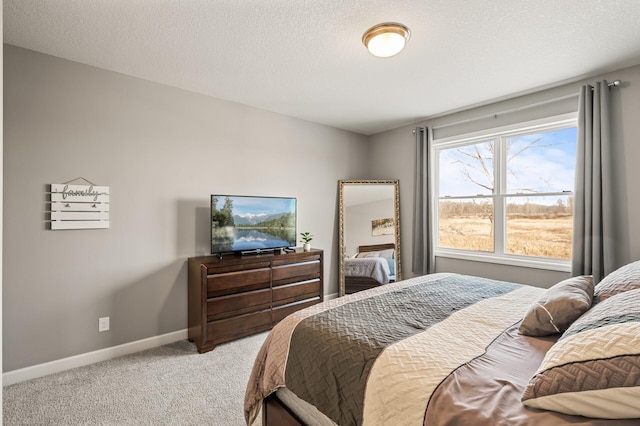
pixel 508 111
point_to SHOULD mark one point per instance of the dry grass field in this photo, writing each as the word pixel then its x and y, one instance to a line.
pixel 532 235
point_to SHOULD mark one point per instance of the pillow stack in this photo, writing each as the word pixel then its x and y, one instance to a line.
pixel 593 370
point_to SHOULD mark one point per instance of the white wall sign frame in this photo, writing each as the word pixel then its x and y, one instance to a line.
pixel 79 206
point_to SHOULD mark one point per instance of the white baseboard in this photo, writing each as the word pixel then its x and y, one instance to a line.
pixel 39 370
pixel 22 374
pixel 330 296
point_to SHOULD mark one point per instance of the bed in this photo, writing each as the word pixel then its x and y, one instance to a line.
pixel 449 349
pixel 373 265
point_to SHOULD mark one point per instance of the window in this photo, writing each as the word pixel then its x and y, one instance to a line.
pixel 507 194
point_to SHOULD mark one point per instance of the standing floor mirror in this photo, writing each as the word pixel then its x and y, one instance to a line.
pixel 369 234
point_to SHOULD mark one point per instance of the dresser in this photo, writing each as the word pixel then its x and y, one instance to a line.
pixel 235 296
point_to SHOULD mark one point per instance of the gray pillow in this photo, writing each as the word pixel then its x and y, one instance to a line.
pixel 623 279
pixel 558 307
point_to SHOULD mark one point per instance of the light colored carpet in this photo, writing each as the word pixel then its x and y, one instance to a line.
pixel 169 385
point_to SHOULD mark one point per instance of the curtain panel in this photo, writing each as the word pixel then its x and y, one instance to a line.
pixel 594 250
pixel 423 260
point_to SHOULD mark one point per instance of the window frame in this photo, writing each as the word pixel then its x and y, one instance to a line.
pixel 499 195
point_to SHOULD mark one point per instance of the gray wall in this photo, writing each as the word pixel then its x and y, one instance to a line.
pixel 161 151
pixel 392 157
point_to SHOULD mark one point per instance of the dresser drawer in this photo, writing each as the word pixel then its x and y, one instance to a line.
pixel 237 281
pixel 298 271
pixel 296 291
pixel 282 311
pixel 221 268
pixel 237 326
pixel 237 304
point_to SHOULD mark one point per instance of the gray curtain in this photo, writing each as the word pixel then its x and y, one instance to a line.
pixel 423 260
pixel 593 228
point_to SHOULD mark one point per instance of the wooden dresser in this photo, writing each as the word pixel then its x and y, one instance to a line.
pixel 239 295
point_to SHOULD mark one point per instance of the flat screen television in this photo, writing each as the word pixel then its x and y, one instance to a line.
pixel 251 224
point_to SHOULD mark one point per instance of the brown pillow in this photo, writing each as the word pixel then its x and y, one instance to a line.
pixel 622 279
pixel 558 307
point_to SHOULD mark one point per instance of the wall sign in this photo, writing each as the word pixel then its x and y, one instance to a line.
pixel 79 206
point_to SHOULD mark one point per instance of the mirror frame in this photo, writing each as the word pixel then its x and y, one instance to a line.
pixel 396 213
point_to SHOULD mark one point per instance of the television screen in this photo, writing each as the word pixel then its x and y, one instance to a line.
pixel 243 223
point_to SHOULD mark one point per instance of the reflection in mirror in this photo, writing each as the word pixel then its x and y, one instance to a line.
pixel 369 234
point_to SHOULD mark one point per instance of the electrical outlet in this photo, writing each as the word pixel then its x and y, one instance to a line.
pixel 103 324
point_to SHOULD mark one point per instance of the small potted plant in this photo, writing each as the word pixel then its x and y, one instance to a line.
pixel 306 238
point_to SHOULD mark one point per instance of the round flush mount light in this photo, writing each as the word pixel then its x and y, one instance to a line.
pixel 387 39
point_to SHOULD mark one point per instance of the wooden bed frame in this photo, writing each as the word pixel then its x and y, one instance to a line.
pixel 355 284
pixel 276 413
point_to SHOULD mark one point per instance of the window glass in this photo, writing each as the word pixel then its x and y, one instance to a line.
pixel 466 224
pixel 541 162
pixel 539 226
pixel 467 170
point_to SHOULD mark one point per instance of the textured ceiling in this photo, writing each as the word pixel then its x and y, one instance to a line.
pixel 304 58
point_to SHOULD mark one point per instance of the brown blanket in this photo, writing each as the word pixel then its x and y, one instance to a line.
pixel 343 343
pixel 407 337
pixel 487 390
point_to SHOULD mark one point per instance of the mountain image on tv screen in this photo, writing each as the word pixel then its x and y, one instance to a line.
pixel 243 223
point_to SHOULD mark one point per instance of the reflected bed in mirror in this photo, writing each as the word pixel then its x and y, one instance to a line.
pixel 369 234
pixel 371 266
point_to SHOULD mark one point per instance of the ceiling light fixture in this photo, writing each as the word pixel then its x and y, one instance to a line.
pixel 385 40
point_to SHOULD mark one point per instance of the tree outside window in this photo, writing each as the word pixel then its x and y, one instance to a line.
pixel 511 194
